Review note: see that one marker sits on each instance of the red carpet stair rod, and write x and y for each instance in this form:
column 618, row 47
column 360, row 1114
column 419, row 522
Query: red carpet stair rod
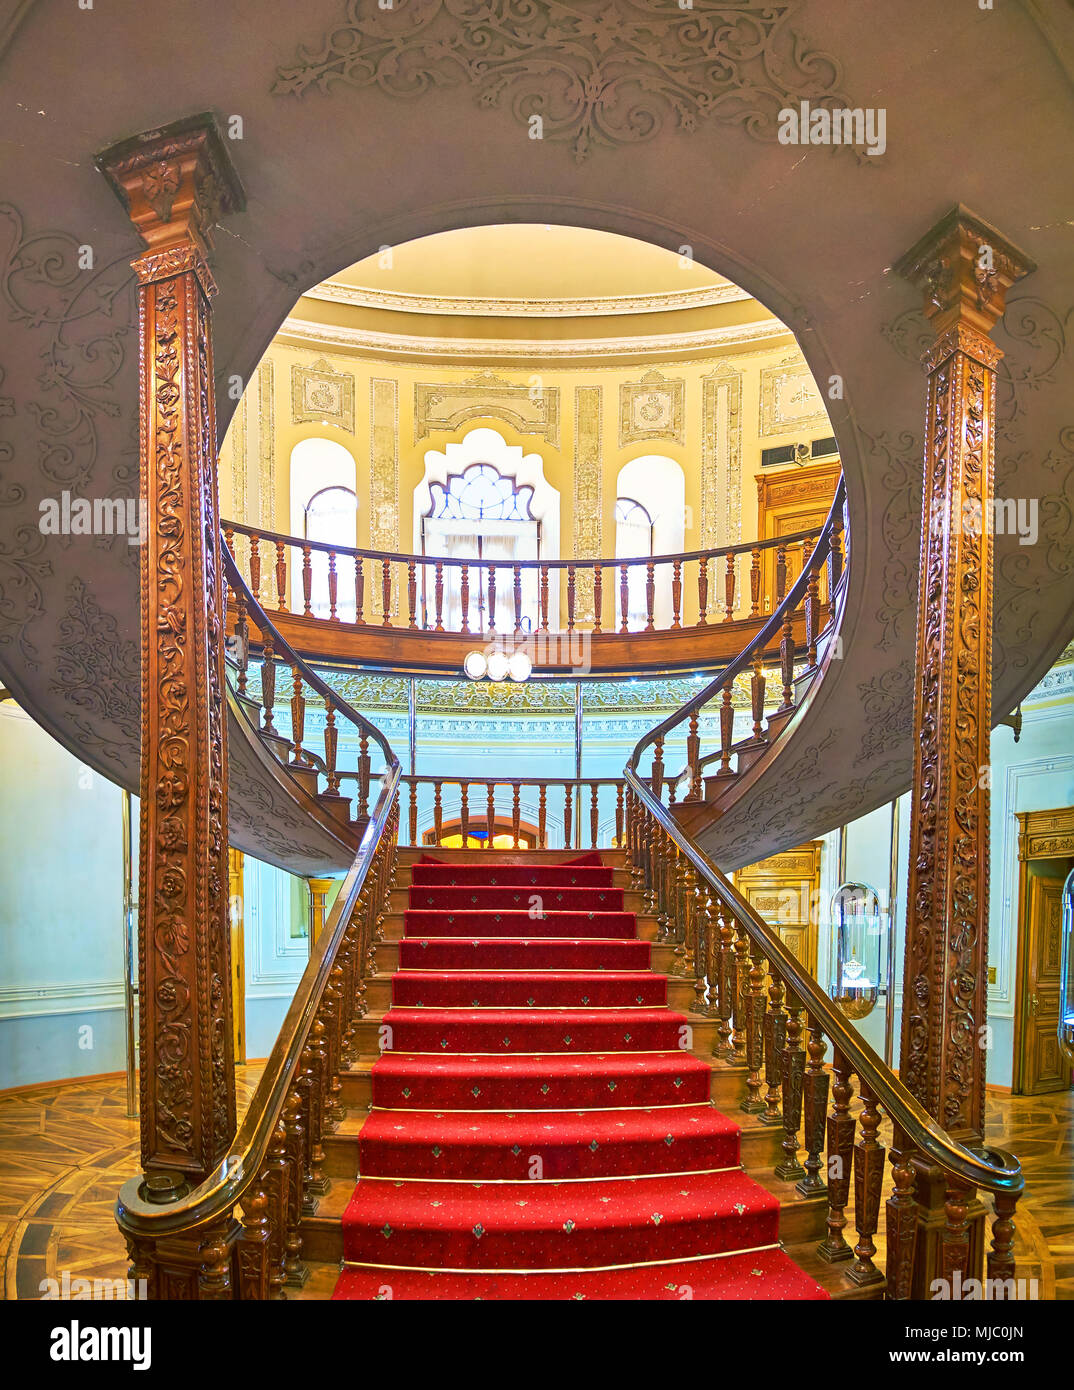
column 539, row 1128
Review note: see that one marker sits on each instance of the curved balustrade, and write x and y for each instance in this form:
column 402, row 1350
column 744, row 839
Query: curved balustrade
column 412, row 611
column 764, row 1000
column 543, row 812
column 238, row 1234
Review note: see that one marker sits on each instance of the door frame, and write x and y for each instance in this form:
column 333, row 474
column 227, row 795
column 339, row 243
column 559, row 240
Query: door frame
column 1044, row 834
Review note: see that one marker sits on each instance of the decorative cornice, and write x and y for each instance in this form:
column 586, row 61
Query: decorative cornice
column 407, row 345
column 671, row 301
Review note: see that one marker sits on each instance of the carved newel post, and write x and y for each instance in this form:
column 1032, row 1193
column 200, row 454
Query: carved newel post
column 965, row 267
column 175, row 183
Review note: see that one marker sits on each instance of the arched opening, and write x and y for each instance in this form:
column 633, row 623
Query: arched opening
column 324, row 508
column 650, row 519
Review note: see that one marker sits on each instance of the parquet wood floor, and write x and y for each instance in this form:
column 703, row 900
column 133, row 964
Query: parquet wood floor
column 66, row 1149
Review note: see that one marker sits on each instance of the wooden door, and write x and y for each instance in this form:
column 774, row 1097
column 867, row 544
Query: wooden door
column 1043, row 1066
column 783, row 890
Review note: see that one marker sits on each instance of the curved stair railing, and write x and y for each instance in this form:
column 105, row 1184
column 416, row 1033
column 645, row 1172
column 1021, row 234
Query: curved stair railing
column 763, row 998
column 238, row 1233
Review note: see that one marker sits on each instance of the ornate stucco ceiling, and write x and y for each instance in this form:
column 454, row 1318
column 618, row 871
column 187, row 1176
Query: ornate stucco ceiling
column 362, row 128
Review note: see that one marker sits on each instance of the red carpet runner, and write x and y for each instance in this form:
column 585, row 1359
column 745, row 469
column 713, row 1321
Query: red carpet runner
column 537, row 1130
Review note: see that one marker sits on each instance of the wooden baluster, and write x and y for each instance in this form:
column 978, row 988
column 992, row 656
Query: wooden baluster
column 252, row 1247
column 781, row 575
column 516, row 593
column 268, row 686
column 811, row 604
column 570, row 598
column 312, row 1067
column 255, row 565
column 544, row 598
column 295, row 1272
column 775, row 1038
column 598, row 594
column 954, row 1236
column 412, row 593
column 1001, row 1254
column 542, row 817
column 490, row 813
column 815, row 1102
column 386, row 592
column 333, row 588
column 900, row 1220
column 331, row 742
column 307, row 581
column 515, row 814
column 650, row 595
column 868, row 1182
column 464, row 813
column 281, row 577
column 619, row 788
column 363, row 776
column 464, row 597
column 702, row 591
column 656, row 777
column 841, row 1125
column 438, row 596
column 702, row 942
column 727, row 730
column 757, row 691
column 359, row 590
column 835, row 553
column 792, row 1069
column 413, row 821
column 786, row 661
column 438, row 813
column 755, row 581
column 729, row 579
column 593, row 814
column 726, row 982
column 492, row 598
column 676, row 593
column 693, row 757
column 298, row 719
column 277, row 1175
column 681, row 923
column 755, row 1010
column 242, row 633
column 624, row 598
column 229, row 539
column 741, row 992
column 568, row 813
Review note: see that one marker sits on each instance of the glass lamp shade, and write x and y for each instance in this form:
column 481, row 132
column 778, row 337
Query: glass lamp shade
column 1066, row 973
column 854, row 973
column 519, row 666
column 498, row 664
column 475, row 665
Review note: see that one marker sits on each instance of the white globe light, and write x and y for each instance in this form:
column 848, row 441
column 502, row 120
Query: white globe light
column 519, row 666
column 497, row 666
column 475, row 665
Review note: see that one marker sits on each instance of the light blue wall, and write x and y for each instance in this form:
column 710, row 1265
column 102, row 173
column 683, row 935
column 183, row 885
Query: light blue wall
column 61, row 906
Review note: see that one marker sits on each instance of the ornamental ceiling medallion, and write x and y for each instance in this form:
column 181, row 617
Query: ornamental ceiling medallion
column 652, row 408
column 598, row 73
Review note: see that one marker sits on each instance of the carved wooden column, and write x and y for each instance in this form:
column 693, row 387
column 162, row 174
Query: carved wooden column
column 175, row 183
column 965, row 268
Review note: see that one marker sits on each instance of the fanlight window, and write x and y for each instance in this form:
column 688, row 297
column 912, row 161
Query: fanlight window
column 480, row 493
column 483, row 517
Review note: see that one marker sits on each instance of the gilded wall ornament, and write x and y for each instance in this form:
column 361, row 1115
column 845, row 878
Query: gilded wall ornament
column 447, row 406
column 266, row 475
column 721, row 457
column 789, row 399
column 598, row 74
column 652, row 408
column 320, row 394
column 588, row 516
column 383, row 476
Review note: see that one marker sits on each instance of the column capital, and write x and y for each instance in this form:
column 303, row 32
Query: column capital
column 175, row 182
column 965, row 267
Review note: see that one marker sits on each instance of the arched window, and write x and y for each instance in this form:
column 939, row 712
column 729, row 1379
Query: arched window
column 324, row 507
column 330, row 516
column 481, row 515
column 633, row 538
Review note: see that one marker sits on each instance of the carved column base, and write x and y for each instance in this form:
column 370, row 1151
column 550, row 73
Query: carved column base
column 930, row 1194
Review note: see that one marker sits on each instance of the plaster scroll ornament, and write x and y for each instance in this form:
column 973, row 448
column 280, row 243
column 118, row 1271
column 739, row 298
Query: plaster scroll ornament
column 596, row 73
